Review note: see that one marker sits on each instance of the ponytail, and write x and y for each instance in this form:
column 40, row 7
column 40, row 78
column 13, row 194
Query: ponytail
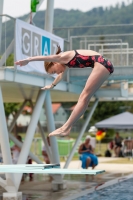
column 58, row 50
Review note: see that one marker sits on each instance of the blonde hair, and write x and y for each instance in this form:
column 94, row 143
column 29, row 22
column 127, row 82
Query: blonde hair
column 48, row 65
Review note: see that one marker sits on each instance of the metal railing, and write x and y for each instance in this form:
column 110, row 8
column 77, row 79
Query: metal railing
column 121, row 55
column 90, row 41
column 7, row 35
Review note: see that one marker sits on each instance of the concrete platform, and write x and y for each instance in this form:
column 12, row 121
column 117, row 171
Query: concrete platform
column 40, row 187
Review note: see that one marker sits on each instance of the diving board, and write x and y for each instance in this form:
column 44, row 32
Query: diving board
column 45, row 169
column 33, row 166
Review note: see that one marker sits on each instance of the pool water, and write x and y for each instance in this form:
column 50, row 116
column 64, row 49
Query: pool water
column 120, row 191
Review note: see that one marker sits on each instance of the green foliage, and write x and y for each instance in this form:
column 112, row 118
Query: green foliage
column 110, row 134
column 10, row 60
column 108, row 109
column 11, row 108
column 105, row 110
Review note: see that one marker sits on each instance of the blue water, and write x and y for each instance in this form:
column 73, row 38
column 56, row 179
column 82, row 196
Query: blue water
column 120, row 191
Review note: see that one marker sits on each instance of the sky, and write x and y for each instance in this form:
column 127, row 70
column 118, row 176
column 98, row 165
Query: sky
column 17, row 8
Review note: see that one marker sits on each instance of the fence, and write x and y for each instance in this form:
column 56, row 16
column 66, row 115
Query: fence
column 65, row 146
column 119, row 43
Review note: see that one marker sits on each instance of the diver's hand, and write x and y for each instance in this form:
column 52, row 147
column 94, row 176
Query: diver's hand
column 22, row 62
column 47, row 87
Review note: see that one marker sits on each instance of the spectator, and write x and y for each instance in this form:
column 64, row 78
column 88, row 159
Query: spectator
column 117, row 144
column 30, row 174
column 128, row 147
column 87, row 154
column 44, row 152
column 15, row 150
column 45, row 156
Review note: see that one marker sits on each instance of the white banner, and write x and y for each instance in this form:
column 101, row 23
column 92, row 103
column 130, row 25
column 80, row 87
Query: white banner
column 33, row 41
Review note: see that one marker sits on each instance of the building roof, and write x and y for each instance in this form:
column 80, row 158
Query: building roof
column 27, row 109
column 55, row 107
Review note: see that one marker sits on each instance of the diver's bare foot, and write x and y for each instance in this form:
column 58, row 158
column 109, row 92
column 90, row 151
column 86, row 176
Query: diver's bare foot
column 60, row 132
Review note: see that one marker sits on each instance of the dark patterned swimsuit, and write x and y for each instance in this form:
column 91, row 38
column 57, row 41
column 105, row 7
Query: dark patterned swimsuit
column 80, row 61
column 84, row 148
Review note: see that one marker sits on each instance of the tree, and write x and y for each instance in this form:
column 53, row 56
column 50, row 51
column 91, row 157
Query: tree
column 123, row 4
column 11, row 108
column 10, row 60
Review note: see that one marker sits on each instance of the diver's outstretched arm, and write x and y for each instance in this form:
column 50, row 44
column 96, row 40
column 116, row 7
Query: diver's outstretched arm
column 54, row 83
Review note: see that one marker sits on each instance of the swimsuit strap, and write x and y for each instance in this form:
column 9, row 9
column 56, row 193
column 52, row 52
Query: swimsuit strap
column 76, row 53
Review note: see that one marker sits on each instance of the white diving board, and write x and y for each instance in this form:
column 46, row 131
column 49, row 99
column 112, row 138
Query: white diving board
column 45, row 169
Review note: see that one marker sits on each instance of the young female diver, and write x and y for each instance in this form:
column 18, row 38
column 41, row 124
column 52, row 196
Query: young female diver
column 58, row 63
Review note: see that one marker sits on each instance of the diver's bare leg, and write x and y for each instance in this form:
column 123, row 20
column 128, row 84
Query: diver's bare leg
column 97, row 77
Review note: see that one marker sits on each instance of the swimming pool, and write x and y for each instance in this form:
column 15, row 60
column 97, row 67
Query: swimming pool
column 118, row 189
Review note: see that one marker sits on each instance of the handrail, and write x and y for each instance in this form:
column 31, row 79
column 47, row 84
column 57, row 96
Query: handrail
column 94, row 26
column 8, row 16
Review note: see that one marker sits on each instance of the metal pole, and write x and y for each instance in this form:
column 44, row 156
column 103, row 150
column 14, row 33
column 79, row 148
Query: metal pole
column 47, row 148
column 5, row 148
column 121, row 56
column 17, row 115
column 15, row 66
column 85, row 43
column 68, row 45
column 1, row 11
column 49, row 15
column 80, row 44
column 45, row 142
column 128, row 55
column 17, row 142
column 51, row 127
column 30, row 132
column 20, row 144
column 71, row 43
column 81, row 133
column 43, row 137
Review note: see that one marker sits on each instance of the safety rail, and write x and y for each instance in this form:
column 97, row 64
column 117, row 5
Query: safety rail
column 121, row 56
column 120, row 40
column 71, row 41
column 7, row 36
